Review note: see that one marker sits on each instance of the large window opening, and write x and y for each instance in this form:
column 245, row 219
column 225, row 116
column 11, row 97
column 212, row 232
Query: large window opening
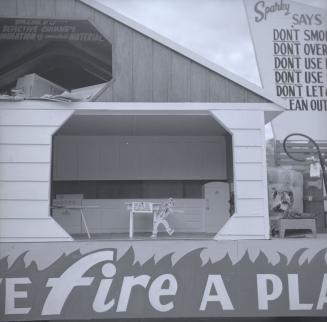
column 103, row 164
column 50, row 56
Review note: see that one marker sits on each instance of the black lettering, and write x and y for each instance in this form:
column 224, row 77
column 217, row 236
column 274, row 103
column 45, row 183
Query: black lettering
column 298, row 105
column 318, row 20
column 258, row 11
column 295, row 19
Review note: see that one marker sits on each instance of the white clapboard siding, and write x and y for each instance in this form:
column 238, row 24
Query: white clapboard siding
column 249, row 171
column 247, row 154
column 250, row 180
column 26, row 134
column 32, row 117
column 25, row 153
column 31, row 229
column 23, row 208
column 251, row 207
column 25, row 172
column 248, row 189
column 250, row 137
column 25, row 168
column 24, row 190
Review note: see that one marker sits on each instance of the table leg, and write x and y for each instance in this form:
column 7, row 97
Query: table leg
column 85, row 225
column 131, row 224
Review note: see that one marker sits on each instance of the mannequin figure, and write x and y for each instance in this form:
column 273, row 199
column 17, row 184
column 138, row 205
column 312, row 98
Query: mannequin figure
column 160, row 217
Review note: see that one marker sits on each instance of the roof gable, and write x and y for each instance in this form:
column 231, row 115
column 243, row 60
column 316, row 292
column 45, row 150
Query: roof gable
column 193, row 57
column 146, row 66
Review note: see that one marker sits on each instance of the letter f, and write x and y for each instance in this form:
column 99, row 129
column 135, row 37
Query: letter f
column 63, row 285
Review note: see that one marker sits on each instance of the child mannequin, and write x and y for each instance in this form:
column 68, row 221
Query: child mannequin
column 160, row 217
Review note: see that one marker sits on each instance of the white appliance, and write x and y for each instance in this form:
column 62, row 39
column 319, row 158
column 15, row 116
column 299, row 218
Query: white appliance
column 216, row 208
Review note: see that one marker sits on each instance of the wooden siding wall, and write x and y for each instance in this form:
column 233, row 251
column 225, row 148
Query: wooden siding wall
column 25, row 168
column 251, row 218
column 143, row 70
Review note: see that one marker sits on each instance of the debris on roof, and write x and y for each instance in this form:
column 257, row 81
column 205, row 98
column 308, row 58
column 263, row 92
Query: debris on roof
column 67, row 96
column 35, row 87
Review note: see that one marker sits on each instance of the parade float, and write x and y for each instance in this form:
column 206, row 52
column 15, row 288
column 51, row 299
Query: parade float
column 107, row 130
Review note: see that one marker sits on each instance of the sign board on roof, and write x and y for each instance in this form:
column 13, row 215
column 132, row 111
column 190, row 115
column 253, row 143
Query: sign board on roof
column 290, row 41
column 48, row 29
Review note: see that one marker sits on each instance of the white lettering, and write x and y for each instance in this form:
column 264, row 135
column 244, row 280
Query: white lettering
column 262, row 285
column 99, row 303
column 128, row 283
column 294, row 294
column 323, row 294
column 220, row 295
column 12, row 295
column 156, row 291
column 62, row 286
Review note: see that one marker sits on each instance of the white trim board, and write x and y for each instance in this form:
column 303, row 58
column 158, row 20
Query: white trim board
column 270, row 110
column 183, row 51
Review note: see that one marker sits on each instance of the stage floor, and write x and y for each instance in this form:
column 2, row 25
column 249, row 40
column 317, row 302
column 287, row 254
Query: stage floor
column 177, row 236
column 145, row 236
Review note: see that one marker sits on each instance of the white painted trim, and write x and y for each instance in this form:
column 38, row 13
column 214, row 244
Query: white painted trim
column 143, row 108
column 265, row 187
column 146, row 106
column 239, row 237
column 35, row 239
column 183, row 51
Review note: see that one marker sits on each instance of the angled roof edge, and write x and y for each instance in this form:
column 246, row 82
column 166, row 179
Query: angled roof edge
column 184, row 51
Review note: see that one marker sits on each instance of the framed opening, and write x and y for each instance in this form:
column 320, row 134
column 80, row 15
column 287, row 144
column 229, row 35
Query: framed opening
column 107, row 165
column 49, row 56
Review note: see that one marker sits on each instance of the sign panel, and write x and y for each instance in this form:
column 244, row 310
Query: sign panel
column 54, row 281
column 290, row 41
column 142, row 206
column 48, row 29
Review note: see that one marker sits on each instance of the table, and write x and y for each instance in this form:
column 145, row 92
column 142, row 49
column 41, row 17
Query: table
column 80, row 208
column 138, row 207
column 298, row 224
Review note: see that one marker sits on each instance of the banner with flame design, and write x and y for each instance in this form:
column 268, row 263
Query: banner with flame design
column 82, row 280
